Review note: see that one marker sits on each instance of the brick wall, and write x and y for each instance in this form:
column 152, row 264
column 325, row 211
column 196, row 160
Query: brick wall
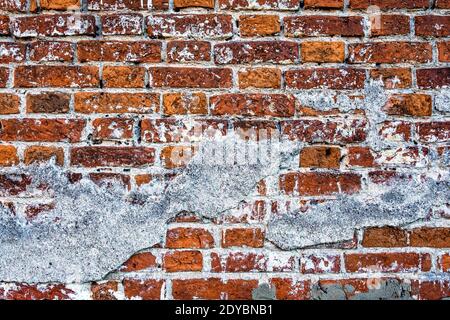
column 102, row 86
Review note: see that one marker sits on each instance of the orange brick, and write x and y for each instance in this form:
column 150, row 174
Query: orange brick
column 243, row 237
column 260, row 78
column 177, row 261
column 8, row 156
column 323, row 51
column 259, row 25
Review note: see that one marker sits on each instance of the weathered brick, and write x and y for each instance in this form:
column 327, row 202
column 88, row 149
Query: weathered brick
column 112, row 156
column 313, row 26
column 290, row 289
column 4, row 25
column 111, row 102
column 325, row 78
column 417, row 105
column 114, row 5
column 14, row 5
column 123, row 77
column 244, row 52
column 59, row 4
column 174, row 77
column 193, row 3
column 275, row 105
column 432, row 25
column 109, row 179
column 9, row 103
column 113, row 128
column 51, row 51
column 432, row 290
column 185, row 103
column 323, row 51
column 390, row 52
column 430, row 237
column 243, row 237
column 122, row 24
column 179, row 238
column 8, row 155
column 387, row 237
column 433, row 78
column 444, row 51
column 395, row 131
column 142, row 289
column 4, row 76
column 12, row 52
column 389, row 4
column 53, row 25
column 199, row 26
column 176, row 156
column 360, row 157
column 389, row 25
column 56, row 76
column 177, row 261
column 251, row 262
column 320, row 157
column 382, row 262
column 435, row 131
column 393, row 78
column 259, row 25
column 325, row 131
column 213, row 289
column 188, row 51
column 48, row 102
column 139, row 261
column 442, row 4
column 51, row 130
column 269, row 78
column 119, row 51
column 24, row 291
column 318, row 184
column 104, row 290
column 314, row 263
column 35, row 154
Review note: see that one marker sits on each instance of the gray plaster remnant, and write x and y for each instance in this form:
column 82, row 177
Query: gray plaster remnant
column 397, row 204
column 389, row 289
column 264, row 292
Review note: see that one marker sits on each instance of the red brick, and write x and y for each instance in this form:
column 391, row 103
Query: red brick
column 22, row 291
column 173, row 77
column 442, row 4
column 53, row 25
column 43, row 154
column 389, row 25
column 274, row 105
column 14, row 184
column 185, row 103
column 56, row 76
column 259, row 25
column 176, row 156
column 177, row 261
column 433, row 78
column 51, row 130
column 51, row 51
column 115, row 5
column 204, row 26
column 314, row 263
column 12, row 52
column 243, row 52
column 14, row 5
column 122, row 24
column 143, row 289
column 289, row 289
column 110, row 102
column 178, row 238
column 325, row 131
column 9, row 103
column 416, row 105
column 104, row 290
column 108, row 179
column 390, row 52
column 430, row 237
column 4, row 25
column 323, row 4
column 4, row 76
column 243, row 237
column 260, row 78
column 360, row 157
column 139, row 261
column 393, row 78
column 444, row 51
column 389, row 4
column 48, row 102
column 433, row 131
column 432, row 26
column 193, row 3
column 320, row 183
column 119, row 51
column 259, row 5
column 251, row 262
column 395, row 130
column 432, row 290
column 213, row 289
column 326, row 78
column 188, row 51
column 113, row 128
column 123, row 77
column 8, row 156
column 382, row 262
column 320, row 157
column 444, row 262
column 112, row 156
column 387, row 237
column 313, row 26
